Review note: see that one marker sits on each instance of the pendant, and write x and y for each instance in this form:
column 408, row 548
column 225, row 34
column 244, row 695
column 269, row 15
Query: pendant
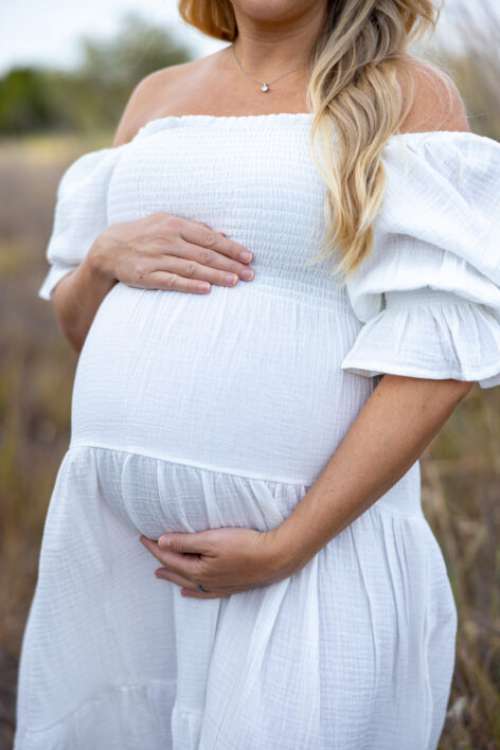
column 264, row 87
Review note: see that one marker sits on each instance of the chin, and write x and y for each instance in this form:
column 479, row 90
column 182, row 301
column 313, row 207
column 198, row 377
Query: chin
column 272, row 10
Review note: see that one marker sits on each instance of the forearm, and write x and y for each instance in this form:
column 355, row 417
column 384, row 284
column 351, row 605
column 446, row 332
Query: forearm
column 391, row 431
column 77, row 297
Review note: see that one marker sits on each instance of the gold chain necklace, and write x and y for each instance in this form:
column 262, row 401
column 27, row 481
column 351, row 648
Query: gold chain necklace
column 263, row 86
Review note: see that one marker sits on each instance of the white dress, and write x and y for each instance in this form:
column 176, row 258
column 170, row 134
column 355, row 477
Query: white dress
column 199, row 411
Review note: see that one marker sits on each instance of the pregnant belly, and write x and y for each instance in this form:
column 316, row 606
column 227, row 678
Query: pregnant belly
column 239, row 380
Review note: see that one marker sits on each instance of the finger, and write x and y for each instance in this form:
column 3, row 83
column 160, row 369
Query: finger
column 204, row 236
column 184, row 565
column 196, row 542
column 152, row 547
column 191, row 269
column 212, row 259
column 171, row 282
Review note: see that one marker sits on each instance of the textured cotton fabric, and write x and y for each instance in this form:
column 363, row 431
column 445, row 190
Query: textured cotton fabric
column 200, row 411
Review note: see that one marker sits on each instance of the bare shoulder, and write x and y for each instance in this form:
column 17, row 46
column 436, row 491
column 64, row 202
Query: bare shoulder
column 432, row 98
column 150, row 96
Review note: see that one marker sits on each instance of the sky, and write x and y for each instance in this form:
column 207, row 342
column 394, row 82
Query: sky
column 34, row 31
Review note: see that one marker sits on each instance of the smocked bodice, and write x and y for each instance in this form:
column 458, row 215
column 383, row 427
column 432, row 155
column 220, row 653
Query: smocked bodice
column 262, row 190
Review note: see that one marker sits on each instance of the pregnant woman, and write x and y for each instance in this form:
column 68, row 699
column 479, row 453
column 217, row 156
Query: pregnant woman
column 235, row 555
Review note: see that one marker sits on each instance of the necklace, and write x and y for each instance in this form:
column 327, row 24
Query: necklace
column 263, row 86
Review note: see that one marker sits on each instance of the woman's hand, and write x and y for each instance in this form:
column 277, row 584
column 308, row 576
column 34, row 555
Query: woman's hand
column 163, row 251
column 159, row 251
column 225, row 561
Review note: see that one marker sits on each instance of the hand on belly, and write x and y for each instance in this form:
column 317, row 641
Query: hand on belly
column 224, row 561
column 172, row 253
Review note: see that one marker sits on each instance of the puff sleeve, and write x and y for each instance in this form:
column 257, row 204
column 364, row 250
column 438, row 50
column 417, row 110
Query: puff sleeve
column 429, row 294
column 80, row 213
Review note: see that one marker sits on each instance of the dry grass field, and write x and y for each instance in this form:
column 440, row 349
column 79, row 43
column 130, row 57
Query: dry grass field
column 461, row 470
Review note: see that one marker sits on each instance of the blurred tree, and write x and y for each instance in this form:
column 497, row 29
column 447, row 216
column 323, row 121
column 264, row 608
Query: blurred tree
column 139, row 48
column 92, row 96
column 114, row 66
column 25, row 101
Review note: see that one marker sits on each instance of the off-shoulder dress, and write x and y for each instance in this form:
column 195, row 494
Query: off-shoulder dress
column 199, row 411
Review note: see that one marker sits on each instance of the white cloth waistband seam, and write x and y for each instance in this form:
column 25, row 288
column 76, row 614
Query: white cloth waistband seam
column 378, row 506
column 203, row 467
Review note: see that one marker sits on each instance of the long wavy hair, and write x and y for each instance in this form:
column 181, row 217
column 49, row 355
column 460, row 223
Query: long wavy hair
column 355, row 90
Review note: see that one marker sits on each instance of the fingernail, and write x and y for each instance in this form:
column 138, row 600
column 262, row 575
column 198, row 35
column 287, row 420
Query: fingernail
column 164, row 541
column 231, row 278
column 246, row 255
column 247, row 274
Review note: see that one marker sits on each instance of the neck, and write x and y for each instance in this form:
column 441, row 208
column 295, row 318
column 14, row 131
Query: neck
column 268, row 47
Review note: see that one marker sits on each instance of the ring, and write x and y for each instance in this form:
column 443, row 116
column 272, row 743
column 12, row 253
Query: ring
column 200, row 588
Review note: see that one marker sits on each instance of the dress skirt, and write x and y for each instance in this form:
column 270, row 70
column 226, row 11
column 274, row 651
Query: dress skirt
column 353, row 652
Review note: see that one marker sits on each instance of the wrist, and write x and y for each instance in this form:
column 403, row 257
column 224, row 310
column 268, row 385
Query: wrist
column 97, row 262
column 287, row 552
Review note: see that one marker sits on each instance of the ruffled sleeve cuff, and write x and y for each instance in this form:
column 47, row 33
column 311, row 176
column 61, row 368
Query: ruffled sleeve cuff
column 428, row 294
column 426, row 334
column 52, row 278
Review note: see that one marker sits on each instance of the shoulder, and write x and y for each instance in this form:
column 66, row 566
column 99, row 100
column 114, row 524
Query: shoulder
column 151, row 95
column 431, row 98
column 146, row 98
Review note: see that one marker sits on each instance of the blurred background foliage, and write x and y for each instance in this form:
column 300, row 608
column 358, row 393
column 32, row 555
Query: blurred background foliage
column 42, row 100
column 47, row 118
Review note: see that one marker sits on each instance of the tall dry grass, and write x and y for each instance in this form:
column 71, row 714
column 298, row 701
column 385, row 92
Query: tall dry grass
column 471, row 50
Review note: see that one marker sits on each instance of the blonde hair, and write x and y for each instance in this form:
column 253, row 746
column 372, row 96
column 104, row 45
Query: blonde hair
column 355, row 90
